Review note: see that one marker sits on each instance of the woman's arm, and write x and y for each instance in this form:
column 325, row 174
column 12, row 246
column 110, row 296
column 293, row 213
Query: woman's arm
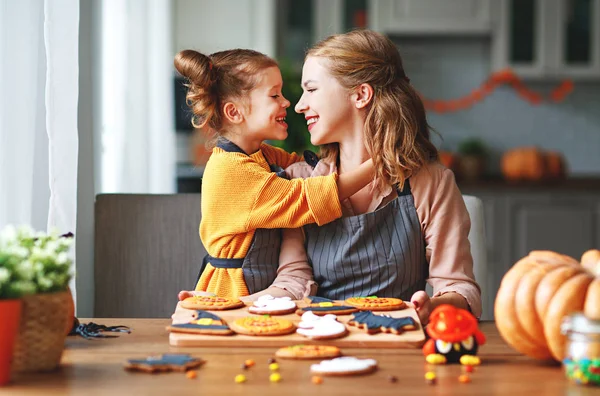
column 446, row 224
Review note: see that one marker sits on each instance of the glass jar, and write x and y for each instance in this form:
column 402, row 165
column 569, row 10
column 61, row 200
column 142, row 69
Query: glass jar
column 582, row 351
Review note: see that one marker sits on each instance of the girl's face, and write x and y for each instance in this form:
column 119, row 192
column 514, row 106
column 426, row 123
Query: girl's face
column 265, row 119
column 325, row 103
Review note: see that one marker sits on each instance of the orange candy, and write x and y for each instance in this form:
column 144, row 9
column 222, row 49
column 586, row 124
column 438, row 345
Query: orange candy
column 249, row 363
column 191, row 374
column 464, row 379
column 317, row 380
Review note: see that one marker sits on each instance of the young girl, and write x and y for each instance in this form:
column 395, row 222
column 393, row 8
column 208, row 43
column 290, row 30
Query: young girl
column 410, row 225
column 237, row 95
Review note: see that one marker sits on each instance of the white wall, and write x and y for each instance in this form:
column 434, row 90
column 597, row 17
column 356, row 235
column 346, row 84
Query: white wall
column 209, row 26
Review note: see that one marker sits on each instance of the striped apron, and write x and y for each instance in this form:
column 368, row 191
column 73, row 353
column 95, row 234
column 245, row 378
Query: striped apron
column 259, row 266
column 381, row 253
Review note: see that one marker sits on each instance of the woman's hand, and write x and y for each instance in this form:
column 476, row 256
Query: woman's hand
column 422, row 304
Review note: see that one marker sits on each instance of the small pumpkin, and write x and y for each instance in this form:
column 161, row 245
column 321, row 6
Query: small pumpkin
column 538, row 292
column 531, row 163
column 448, row 159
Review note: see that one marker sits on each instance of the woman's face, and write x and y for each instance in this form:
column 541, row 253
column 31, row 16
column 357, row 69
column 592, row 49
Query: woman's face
column 325, row 103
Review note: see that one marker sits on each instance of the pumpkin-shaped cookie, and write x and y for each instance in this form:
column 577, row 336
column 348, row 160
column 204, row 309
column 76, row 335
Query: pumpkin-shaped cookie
column 262, row 326
column 376, row 303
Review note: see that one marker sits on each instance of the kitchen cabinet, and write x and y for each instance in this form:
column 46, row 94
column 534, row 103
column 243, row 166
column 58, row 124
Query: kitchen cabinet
column 547, row 39
column 420, row 17
column 522, row 218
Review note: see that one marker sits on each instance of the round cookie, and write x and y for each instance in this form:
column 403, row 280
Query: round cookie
column 346, row 365
column 272, row 305
column 321, row 327
column 262, row 326
column 376, row 303
column 308, row 352
column 211, row 303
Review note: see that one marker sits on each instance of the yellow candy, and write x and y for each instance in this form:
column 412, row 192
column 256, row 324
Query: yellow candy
column 326, row 304
column 430, row 375
column 273, row 366
column 275, row 377
column 435, row 358
column 470, row 360
column 240, row 378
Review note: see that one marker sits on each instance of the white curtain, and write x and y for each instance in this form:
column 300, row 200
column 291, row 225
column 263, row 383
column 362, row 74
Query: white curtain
column 137, row 138
column 38, row 113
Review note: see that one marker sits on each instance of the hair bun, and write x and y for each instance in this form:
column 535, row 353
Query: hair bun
column 196, row 67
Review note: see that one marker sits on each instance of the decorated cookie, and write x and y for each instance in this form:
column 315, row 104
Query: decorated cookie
column 376, row 303
column 166, row 362
column 321, row 327
column 372, row 323
column 346, row 365
column 273, row 305
column 323, row 306
column 203, row 323
column 308, row 352
column 262, row 326
column 210, row 303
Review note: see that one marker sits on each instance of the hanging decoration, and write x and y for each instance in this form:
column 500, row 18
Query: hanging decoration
column 508, row 77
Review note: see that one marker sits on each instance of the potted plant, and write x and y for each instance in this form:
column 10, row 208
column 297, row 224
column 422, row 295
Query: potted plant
column 472, row 161
column 35, row 270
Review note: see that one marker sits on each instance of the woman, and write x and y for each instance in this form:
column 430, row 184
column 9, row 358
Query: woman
column 410, row 225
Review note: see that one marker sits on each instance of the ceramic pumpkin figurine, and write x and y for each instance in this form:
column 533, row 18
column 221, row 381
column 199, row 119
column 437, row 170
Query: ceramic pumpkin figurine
column 538, row 292
column 455, row 336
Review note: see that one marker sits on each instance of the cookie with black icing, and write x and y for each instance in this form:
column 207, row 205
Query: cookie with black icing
column 323, row 306
column 372, row 324
column 203, row 323
column 165, row 362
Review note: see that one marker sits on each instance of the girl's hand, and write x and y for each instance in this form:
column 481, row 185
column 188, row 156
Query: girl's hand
column 186, row 293
column 422, row 304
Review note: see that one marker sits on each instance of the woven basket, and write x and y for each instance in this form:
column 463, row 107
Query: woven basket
column 41, row 338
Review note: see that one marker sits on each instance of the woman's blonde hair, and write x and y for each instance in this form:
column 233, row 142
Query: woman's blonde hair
column 214, row 79
column 396, row 131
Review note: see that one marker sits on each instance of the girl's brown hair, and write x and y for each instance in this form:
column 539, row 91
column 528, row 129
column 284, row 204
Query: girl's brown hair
column 396, row 131
column 214, row 79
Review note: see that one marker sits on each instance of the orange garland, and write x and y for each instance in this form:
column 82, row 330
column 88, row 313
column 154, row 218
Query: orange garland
column 498, row 78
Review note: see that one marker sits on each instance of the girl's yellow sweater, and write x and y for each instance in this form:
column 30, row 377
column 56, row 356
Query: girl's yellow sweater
column 240, row 194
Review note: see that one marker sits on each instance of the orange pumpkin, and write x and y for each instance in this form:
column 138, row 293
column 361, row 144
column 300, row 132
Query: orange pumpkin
column 530, row 163
column 448, row 159
column 538, row 292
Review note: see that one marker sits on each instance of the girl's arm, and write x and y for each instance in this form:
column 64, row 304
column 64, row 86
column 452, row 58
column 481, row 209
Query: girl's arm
column 277, row 156
column 281, row 203
column 294, row 275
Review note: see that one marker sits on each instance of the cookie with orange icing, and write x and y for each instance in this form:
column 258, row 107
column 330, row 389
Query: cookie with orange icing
column 211, row 303
column 373, row 303
column 262, row 326
column 308, row 352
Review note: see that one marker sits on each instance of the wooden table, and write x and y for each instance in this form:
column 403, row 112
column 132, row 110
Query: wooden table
column 96, row 367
